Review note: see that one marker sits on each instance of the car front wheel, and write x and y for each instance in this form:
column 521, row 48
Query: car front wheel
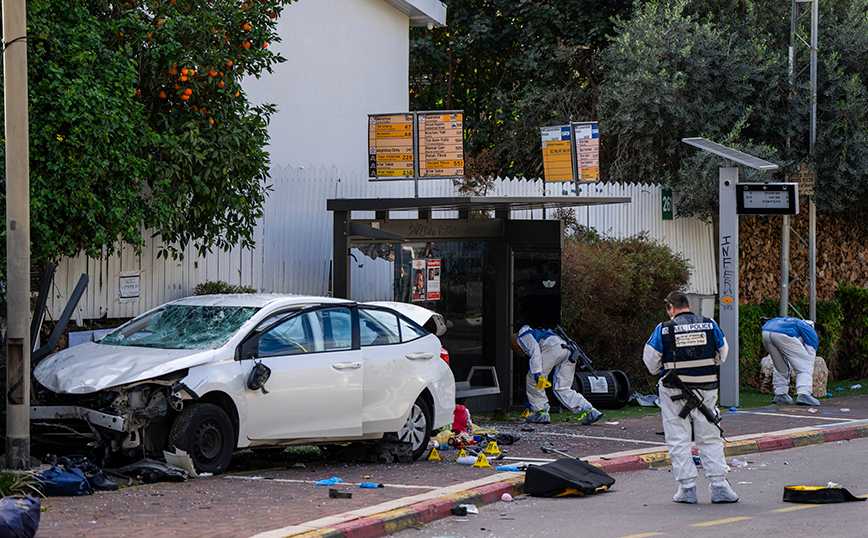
column 205, row 432
column 417, row 430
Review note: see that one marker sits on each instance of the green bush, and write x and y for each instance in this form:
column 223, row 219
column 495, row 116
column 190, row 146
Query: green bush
column 852, row 362
column 217, row 287
column 613, row 291
column 751, row 349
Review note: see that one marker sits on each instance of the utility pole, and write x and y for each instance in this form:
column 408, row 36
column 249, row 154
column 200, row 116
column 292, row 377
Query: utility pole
column 812, row 209
column 17, row 234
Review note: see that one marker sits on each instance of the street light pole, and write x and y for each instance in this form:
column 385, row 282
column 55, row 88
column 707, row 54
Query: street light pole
column 17, row 234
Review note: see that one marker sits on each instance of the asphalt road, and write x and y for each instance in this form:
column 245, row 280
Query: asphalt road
column 640, row 503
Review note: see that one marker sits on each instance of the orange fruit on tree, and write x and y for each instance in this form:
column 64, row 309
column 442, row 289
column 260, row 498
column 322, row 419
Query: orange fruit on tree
column 265, row 45
column 212, row 122
column 212, row 72
column 220, row 84
column 184, row 97
column 229, row 63
column 162, row 95
column 246, row 45
column 185, row 71
column 183, row 78
column 247, row 27
column 188, row 91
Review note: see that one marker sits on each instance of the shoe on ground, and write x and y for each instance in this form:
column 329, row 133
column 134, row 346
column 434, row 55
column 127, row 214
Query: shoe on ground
column 539, row 417
column 721, row 492
column 807, row 399
column 782, row 399
column 685, row 495
column 590, row 416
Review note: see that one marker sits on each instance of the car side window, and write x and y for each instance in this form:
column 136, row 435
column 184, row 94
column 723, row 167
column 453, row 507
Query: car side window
column 378, row 327
column 292, row 337
column 337, row 328
column 409, row 331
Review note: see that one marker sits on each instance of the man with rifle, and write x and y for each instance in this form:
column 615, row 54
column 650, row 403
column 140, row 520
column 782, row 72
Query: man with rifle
column 687, row 351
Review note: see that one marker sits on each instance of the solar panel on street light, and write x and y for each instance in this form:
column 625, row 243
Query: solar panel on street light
column 729, row 153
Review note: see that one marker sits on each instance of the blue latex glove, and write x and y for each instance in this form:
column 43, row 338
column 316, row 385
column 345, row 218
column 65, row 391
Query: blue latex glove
column 536, row 378
column 328, row 482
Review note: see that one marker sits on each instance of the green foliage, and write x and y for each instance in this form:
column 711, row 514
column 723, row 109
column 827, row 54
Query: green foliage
column 613, row 291
column 751, row 350
column 218, row 287
column 512, row 66
column 854, row 347
column 720, row 70
column 122, row 140
column 18, row 483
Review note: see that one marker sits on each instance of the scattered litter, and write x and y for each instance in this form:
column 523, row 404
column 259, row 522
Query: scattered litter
column 840, row 442
column 512, row 468
column 856, row 387
column 370, row 485
column 150, row 471
column 256, row 478
column 612, row 423
column 785, row 463
column 181, row 460
column 828, row 395
column 299, row 465
column 335, row 494
column 367, row 477
column 652, row 468
column 649, row 400
column 839, row 388
column 834, row 485
column 733, row 408
column 812, row 410
column 527, row 429
column 459, row 511
column 738, row 463
column 328, row 482
column 744, row 483
column 697, row 461
column 845, row 409
column 506, row 497
column 471, row 508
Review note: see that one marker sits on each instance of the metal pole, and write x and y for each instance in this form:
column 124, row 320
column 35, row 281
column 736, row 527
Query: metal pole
column 785, row 266
column 17, row 235
column 812, row 210
column 728, row 271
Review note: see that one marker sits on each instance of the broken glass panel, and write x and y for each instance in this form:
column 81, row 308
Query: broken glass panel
column 182, row 327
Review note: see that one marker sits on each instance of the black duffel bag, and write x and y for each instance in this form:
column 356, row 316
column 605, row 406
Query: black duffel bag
column 565, row 477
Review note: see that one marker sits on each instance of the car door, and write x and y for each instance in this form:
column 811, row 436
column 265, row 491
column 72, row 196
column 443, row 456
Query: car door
column 395, row 352
column 315, row 386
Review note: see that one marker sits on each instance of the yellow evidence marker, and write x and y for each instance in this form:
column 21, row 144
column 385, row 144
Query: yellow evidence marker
column 462, row 454
column 433, row 456
column 481, row 461
column 492, row 449
column 542, row 383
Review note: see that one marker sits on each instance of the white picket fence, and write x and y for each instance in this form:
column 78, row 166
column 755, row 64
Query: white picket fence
column 293, row 249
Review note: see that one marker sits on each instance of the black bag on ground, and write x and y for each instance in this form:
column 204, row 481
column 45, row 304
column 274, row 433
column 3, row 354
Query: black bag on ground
column 565, row 477
column 818, row 495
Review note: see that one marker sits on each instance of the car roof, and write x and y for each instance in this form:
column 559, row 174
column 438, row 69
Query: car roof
column 257, row 300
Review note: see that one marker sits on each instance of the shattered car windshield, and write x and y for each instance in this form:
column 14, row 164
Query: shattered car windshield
column 182, row 327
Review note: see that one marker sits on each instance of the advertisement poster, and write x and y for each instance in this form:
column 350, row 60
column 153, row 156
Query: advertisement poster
column 419, row 280
column 433, row 284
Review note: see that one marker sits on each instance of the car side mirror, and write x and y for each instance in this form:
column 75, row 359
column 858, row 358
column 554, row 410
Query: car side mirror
column 249, row 349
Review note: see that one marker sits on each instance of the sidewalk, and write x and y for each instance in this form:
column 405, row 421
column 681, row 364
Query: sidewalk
column 284, row 502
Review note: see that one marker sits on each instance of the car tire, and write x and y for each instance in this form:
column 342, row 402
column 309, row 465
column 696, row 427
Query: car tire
column 205, row 432
column 417, row 430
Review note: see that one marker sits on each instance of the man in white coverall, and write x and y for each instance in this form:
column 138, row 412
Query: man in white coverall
column 546, row 353
column 693, row 346
column 792, row 344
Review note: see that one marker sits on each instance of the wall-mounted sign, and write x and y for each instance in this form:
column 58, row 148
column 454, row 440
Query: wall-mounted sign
column 806, row 177
column 571, row 152
column 667, row 203
column 767, row 198
column 130, row 285
column 416, row 145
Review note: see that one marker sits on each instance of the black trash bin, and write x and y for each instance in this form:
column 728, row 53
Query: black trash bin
column 607, row 389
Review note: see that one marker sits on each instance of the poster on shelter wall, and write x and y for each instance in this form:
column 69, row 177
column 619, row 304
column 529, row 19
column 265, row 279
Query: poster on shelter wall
column 419, row 281
column 433, row 283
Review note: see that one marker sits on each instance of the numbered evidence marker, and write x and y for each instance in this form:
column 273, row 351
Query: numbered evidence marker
column 557, row 162
column 587, row 150
column 390, row 143
column 441, row 144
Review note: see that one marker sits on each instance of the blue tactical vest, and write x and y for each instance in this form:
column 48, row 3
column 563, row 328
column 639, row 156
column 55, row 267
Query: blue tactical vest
column 695, row 349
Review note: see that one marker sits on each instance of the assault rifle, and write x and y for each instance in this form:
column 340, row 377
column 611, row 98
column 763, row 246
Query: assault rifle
column 576, row 352
column 692, row 401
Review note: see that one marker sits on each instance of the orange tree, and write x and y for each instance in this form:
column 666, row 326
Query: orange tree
column 138, row 121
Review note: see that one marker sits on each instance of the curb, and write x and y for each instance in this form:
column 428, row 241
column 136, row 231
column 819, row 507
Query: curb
column 413, row 515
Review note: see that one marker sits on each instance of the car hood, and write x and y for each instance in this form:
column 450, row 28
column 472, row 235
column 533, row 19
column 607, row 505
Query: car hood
column 92, row 367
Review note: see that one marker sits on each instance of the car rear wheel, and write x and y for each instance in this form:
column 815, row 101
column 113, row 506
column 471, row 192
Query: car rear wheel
column 205, row 432
column 417, row 430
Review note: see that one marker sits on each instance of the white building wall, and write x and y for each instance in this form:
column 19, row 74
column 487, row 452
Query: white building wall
column 345, row 59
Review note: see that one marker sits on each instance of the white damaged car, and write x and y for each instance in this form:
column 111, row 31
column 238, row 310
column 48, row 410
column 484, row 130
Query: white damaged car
column 211, row 374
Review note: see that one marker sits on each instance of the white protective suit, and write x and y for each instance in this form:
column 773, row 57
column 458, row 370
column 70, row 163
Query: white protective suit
column 544, row 356
column 677, row 430
column 790, row 353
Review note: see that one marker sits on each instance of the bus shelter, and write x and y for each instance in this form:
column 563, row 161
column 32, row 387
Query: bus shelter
column 486, row 273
